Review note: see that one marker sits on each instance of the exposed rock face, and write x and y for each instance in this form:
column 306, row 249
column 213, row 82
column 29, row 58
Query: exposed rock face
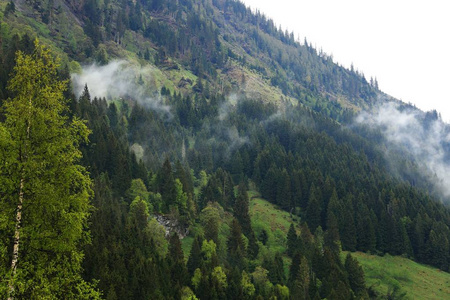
column 172, row 225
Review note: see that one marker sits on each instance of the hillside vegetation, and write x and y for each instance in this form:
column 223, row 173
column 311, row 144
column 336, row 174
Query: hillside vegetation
column 196, row 111
column 399, row 275
column 385, row 275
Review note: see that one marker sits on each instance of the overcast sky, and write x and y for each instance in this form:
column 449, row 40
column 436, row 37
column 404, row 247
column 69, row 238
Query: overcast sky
column 404, row 44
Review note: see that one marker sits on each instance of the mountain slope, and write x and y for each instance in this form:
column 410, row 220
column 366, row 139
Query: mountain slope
column 187, row 100
column 384, row 275
column 222, row 42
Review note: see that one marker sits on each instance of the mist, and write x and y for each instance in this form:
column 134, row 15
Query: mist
column 423, row 135
column 228, row 106
column 224, row 129
column 119, row 79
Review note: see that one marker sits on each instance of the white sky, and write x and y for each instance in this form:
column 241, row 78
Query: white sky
column 404, row 44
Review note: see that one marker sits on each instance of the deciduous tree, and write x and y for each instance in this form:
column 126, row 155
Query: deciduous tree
column 44, row 191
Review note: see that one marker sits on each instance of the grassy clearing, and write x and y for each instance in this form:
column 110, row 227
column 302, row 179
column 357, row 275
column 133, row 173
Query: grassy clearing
column 382, row 273
column 276, row 222
column 263, row 211
column 418, row 281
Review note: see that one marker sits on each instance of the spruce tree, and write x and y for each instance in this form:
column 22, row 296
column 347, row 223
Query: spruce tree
column 241, row 209
column 294, row 269
column 235, row 245
column 242, row 215
column 300, row 288
column 292, row 241
column 313, row 211
column 177, row 267
column 283, row 192
column 356, row 277
column 347, row 227
column 166, row 185
column 278, row 276
column 195, row 257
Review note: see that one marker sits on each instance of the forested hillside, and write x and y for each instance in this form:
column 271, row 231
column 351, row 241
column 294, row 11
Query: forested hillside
column 207, row 101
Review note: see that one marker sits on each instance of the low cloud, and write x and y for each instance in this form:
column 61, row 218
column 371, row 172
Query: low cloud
column 423, row 135
column 227, row 106
column 236, row 140
column 118, row 79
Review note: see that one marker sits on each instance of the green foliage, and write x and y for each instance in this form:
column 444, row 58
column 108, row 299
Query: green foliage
column 157, row 234
column 196, row 278
column 45, row 192
column 292, row 242
column 176, row 265
column 300, row 287
column 313, row 211
column 10, row 8
column 195, row 259
column 138, row 189
column 219, row 278
column 208, row 251
column 236, row 246
column 210, row 217
column 187, row 294
column 262, row 282
column 356, row 277
column 334, row 178
column 139, row 213
column 248, row 289
column 282, row 292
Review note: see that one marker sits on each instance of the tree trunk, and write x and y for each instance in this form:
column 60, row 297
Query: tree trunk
column 15, row 257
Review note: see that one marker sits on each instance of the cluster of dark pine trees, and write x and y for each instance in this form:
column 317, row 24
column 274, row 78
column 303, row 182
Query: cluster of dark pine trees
column 329, row 182
column 202, row 36
column 131, row 256
column 196, row 168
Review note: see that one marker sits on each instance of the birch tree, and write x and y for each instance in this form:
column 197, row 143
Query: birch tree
column 44, row 192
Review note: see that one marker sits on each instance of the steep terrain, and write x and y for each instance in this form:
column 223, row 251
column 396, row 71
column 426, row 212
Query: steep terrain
column 191, row 104
column 221, row 42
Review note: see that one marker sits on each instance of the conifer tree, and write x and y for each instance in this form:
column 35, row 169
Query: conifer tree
column 313, row 211
column 347, row 227
column 241, row 209
column 294, row 269
column 235, row 245
column 195, row 257
column 210, row 217
column 278, row 276
column 182, row 175
column 242, row 215
column 356, row 277
column 283, row 192
column 300, row 288
column 292, row 241
column 166, row 185
column 269, row 183
column 177, row 267
column 332, row 239
column 234, row 290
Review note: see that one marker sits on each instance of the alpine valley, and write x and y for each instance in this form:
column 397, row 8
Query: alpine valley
column 192, row 149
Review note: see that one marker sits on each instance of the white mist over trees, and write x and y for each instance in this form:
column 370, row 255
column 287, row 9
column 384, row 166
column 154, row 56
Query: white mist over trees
column 119, row 79
column 423, row 135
